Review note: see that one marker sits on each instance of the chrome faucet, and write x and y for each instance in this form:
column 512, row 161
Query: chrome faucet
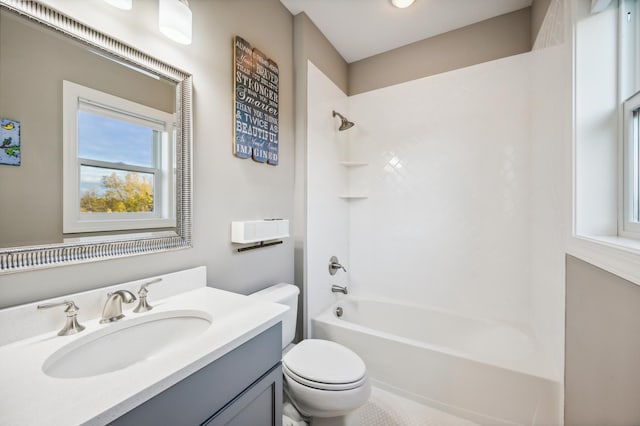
column 71, row 326
column 339, row 289
column 113, row 307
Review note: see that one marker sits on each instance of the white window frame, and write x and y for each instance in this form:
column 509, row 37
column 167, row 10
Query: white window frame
column 628, row 75
column 631, row 169
column 80, row 98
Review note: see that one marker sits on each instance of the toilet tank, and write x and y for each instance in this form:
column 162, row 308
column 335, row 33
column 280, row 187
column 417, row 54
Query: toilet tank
column 285, row 294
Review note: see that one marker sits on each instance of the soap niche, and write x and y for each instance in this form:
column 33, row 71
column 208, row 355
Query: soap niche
column 354, row 159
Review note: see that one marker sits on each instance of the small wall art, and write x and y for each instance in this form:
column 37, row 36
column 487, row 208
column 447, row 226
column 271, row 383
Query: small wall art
column 9, row 142
column 256, row 82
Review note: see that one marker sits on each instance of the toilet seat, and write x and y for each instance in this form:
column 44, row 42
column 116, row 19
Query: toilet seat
column 320, row 385
column 324, row 365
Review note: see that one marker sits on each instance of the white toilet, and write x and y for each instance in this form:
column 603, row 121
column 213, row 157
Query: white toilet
column 324, row 380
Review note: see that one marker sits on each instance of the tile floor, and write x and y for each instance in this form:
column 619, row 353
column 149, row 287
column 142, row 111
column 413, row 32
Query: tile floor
column 387, row 409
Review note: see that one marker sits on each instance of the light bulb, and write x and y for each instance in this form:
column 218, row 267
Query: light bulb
column 174, row 20
column 401, row 4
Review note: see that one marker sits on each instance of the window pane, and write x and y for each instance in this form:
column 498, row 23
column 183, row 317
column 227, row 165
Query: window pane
column 115, row 141
column 104, row 190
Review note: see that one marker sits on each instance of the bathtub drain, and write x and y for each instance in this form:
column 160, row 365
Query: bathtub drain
column 338, row 311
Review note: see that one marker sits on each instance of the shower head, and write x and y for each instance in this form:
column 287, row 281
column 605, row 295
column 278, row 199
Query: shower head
column 344, row 123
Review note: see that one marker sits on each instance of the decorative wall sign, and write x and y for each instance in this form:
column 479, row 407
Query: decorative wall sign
column 256, row 82
column 9, row 142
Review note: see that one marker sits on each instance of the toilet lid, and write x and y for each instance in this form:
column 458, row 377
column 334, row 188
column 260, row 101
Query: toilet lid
column 322, row 361
column 290, row 375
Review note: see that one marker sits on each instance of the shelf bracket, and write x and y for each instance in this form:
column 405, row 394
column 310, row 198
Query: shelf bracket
column 257, row 246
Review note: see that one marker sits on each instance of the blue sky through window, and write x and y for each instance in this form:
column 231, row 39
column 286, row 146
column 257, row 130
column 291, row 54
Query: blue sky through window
column 116, row 141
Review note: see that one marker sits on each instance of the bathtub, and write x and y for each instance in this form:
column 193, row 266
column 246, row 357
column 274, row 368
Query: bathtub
column 486, row 371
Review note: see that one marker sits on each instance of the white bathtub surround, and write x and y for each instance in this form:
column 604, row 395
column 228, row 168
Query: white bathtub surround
column 467, row 182
column 486, row 371
column 550, row 195
column 101, row 398
column 327, row 214
column 468, row 203
column 448, row 180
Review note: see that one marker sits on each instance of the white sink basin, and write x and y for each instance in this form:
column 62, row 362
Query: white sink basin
column 120, row 345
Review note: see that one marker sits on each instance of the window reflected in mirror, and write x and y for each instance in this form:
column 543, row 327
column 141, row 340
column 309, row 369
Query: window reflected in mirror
column 119, row 163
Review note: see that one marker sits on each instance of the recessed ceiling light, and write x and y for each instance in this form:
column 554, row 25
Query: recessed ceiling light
column 401, row 4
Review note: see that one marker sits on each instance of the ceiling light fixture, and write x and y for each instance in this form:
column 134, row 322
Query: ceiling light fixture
column 174, row 19
column 121, row 4
column 401, row 4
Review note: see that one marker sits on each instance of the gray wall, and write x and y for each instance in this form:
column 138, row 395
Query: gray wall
column 34, row 63
column 484, row 41
column 225, row 188
column 602, row 352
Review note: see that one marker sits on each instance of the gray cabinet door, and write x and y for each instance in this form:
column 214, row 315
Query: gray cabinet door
column 197, row 398
column 260, row 405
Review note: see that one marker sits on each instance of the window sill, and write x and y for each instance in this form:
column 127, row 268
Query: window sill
column 618, row 255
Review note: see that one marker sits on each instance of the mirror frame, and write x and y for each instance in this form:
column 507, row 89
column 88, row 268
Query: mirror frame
column 18, row 259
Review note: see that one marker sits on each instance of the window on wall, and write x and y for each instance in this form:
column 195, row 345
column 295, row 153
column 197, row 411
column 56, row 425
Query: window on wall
column 631, row 121
column 630, row 94
column 606, row 145
column 119, row 170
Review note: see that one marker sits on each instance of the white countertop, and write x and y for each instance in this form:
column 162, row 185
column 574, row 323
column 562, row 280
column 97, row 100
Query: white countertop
column 29, row 397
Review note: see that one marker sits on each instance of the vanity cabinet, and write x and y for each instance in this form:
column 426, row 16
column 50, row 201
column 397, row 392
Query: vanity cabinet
column 241, row 388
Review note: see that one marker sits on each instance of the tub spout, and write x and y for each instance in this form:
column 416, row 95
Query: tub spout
column 339, row 289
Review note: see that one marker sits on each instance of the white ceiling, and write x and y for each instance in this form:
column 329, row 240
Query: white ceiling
column 362, row 28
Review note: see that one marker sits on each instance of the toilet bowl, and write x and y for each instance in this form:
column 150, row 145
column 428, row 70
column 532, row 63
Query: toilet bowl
column 324, row 380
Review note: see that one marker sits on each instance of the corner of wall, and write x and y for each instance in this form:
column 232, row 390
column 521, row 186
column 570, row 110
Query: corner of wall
column 539, row 9
column 315, row 47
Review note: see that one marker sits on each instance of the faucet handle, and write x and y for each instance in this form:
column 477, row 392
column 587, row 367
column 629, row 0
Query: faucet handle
column 72, row 326
column 143, row 306
column 334, row 265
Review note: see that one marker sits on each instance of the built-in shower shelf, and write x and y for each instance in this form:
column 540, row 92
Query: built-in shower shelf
column 354, row 196
column 353, row 163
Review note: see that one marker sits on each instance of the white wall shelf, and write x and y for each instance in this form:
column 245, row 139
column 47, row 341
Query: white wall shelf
column 253, row 231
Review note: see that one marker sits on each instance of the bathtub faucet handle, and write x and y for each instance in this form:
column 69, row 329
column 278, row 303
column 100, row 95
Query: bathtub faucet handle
column 339, row 289
column 337, row 266
column 334, row 265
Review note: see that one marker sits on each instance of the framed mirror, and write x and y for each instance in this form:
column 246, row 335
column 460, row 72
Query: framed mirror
column 95, row 144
